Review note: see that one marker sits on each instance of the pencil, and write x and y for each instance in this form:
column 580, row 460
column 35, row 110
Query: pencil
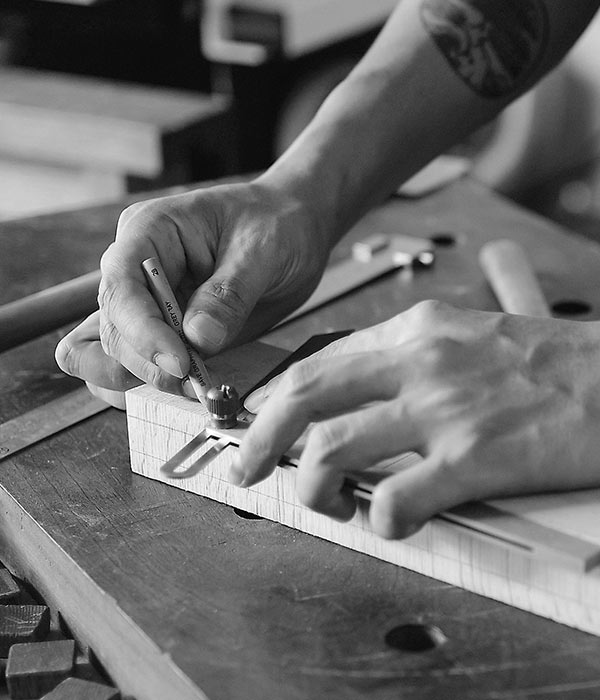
column 165, row 298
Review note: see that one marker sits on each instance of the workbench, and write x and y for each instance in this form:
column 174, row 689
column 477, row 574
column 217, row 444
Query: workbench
column 182, row 598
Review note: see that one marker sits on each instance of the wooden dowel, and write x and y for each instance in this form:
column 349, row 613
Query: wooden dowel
column 45, row 311
column 512, row 278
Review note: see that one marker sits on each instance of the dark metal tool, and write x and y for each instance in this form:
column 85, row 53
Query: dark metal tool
column 372, row 257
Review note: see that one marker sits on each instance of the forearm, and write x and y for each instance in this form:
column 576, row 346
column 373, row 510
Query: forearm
column 437, row 71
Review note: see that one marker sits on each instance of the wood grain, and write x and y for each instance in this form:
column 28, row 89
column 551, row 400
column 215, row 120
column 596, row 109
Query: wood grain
column 180, row 597
column 545, row 569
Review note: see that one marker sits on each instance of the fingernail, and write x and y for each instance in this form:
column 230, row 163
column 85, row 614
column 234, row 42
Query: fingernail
column 169, row 363
column 236, row 475
column 255, row 400
column 208, row 333
column 188, row 389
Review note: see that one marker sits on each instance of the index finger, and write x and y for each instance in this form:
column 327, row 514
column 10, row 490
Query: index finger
column 311, row 390
column 131, row 313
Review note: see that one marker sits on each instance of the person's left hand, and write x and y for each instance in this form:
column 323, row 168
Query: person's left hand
column 496, row 404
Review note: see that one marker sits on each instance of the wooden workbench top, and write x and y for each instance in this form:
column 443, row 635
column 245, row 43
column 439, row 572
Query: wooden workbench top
column 182, row 598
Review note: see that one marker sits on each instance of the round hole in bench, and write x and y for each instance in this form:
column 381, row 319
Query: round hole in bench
column 571, row 307
column 246, row 515
column 415, row 637
column 443, row 239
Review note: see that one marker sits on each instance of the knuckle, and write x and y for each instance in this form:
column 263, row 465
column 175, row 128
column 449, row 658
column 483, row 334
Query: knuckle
column 427, row 313
column 112, row 299
column 301, row 379
column 109, row 262
column 327, row 440
column 132, row 211
column 439, row 348
column 144, row 219
column 107, row 294
column 229, row 293
column 67, row 357
column 110, row 339
column 442, row 354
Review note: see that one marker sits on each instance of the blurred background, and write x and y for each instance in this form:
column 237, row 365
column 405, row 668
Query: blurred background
column 100, row 98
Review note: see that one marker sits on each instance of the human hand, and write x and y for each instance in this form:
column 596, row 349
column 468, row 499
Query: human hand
column 239, row 258
column 496, row 404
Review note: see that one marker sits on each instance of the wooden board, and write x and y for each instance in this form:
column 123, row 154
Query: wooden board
column 35, row 669
column 95, row 123
column 541, row 564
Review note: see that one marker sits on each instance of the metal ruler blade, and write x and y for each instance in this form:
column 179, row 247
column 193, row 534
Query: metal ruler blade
column 372, row 257
column 48, row 419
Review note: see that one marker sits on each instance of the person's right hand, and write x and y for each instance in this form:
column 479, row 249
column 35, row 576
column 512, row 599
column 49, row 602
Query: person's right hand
column 239, row 258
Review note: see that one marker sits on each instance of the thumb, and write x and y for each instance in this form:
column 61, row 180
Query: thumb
column 402, row 504
column 218, row 309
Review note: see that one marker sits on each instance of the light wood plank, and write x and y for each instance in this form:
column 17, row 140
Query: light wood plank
column 483, row 548
column 97, row 123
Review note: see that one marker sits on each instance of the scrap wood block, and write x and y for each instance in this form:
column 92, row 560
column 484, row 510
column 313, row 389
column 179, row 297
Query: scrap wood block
column 539, row 553
column 98, row 124
column 35, row 669
column 9, row 588
column 22, row 623
column 78, row 689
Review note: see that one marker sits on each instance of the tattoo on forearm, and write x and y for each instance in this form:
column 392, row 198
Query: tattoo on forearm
column 492, row 46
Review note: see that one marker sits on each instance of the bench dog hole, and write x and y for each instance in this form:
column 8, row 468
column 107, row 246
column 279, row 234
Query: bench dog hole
column 415, row 637
column 246, row 515
column 443, row 239
column 571, row 307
